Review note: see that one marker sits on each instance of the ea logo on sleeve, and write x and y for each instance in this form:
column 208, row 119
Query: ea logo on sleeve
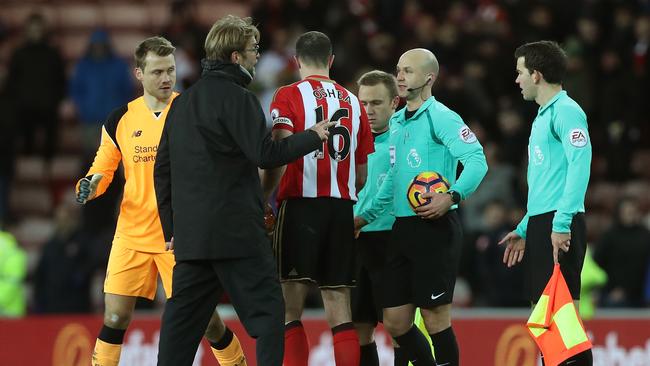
column 466, row 135
column 578, row 137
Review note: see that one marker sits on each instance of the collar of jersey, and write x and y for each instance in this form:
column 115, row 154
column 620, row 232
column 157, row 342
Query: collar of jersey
column 557, row 96
column 319, row 78
column 402, row 113
column 233, row 71
column 382, row 136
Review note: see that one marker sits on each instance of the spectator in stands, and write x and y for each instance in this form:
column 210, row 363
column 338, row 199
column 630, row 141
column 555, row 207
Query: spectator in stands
column 101, row 82
column 514, row 136
column 13, row 267
column 498, row 185
column 641, row 70
column 36, row 82
column 276, row 67
column 65, row 268
column 624, row 252
column 185, row 32
column 605, row 40
column 491, row 273
column 580, row 82
column 592, row 278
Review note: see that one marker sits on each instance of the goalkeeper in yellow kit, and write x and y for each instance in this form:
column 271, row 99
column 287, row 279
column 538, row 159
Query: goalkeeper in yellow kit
column 138, row 254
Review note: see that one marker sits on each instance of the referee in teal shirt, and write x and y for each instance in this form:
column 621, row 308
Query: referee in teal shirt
column 378, row 95
column 559, row 159
column 423, row 253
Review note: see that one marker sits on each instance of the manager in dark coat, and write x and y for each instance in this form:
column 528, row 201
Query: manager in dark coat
column 210, row 199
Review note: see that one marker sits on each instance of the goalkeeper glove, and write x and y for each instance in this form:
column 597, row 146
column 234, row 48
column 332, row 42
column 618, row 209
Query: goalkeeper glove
column 88, row 188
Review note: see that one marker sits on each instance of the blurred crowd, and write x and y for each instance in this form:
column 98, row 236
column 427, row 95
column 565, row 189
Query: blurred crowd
column 607, row 43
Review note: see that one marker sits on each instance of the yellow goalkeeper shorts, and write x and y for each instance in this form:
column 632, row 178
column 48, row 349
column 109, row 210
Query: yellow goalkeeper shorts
column 134, row 273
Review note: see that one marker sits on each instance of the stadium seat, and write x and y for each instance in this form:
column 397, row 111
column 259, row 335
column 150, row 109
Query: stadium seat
column 13, row 14
column 73, row 44
column 65, row 166
column 30, row 169
column 125, row 42
column 34, row 231
column 78, row 15
column 209, row 11
column 30, row 199
column 126, row 15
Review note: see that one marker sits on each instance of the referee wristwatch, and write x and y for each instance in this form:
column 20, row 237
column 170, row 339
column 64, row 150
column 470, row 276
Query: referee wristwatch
column 455, row 197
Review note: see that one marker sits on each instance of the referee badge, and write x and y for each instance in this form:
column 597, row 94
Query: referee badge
column 467, row 135
column 578, row 137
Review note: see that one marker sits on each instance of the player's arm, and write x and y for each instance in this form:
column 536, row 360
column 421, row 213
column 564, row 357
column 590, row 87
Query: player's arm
column 254, row 140
column 162, row 183
column 570, row 125
column 271, row 177
column 381, row 202
column 282, row 118
column 108, row 156
column 464, row 146
column 366, row 146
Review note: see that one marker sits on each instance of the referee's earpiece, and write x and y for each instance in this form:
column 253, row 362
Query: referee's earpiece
column 421, row 86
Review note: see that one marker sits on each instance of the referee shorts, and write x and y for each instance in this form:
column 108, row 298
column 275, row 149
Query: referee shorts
column 371, row 264
column 538, row 255
column 423, row 261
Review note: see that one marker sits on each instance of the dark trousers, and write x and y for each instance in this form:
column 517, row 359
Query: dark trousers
column 32, row 119
column 253, row 286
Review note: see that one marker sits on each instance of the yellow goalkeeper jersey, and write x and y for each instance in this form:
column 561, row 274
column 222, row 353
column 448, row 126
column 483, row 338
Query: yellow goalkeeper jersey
column 131, row 135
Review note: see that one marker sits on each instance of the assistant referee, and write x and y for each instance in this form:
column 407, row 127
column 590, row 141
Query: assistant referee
column 559, row 160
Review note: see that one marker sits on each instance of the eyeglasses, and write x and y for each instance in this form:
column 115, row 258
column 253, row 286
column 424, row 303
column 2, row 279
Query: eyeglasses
column 255, row 49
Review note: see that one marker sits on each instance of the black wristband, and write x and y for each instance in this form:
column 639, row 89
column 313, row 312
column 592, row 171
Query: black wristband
column 455, row 197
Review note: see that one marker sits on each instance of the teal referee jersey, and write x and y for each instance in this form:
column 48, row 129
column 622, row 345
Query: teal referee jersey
column 378, row 166
column 559, row 161
column 435, row 139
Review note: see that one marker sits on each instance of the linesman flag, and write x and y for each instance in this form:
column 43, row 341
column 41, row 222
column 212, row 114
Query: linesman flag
column 555, row 325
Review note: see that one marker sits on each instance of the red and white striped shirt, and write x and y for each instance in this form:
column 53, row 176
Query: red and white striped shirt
column 331, row 170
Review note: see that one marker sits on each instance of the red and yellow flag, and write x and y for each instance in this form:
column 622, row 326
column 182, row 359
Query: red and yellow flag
column 555, row 325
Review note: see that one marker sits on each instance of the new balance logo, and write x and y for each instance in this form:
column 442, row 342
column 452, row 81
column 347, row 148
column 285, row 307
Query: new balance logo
column 433, row 296
column 137, row 133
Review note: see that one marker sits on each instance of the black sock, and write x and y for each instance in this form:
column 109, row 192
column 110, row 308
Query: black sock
column 341, row 327
column 400, row 357
column 224, row 341
column 584, row 358
column 369, row 356
column 416, row 347
column 445, row 347
column 111, row 335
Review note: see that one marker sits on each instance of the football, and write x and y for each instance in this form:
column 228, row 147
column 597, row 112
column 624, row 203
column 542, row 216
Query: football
column 425, row 182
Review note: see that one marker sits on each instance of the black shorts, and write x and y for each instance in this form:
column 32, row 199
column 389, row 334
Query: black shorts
column 423, row 260
column 314, row 241
column 371, row 263
column 538, row 255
